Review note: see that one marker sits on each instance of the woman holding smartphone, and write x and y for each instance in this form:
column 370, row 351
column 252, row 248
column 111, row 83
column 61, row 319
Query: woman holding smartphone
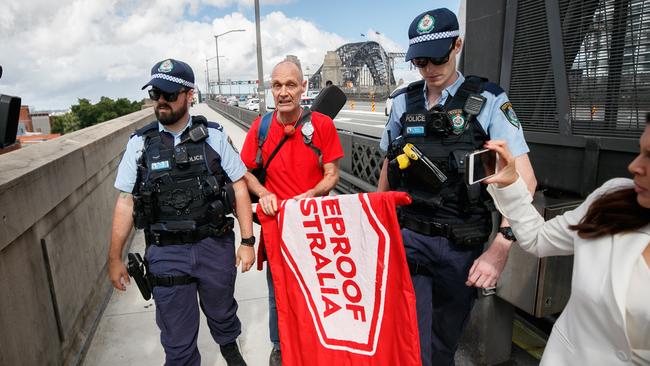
column 607, row 318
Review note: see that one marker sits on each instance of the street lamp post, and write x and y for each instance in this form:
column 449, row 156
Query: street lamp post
column 207, row 79
column 216, row 42
column 207, row 74
column 260, row 74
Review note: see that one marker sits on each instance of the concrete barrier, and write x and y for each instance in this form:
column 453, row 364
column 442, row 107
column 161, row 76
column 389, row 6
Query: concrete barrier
column 56, row 201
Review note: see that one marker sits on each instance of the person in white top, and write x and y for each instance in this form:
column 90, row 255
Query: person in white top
column 607, row 318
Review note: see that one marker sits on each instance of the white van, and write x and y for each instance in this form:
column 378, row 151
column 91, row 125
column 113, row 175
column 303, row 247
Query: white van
column 268, row 99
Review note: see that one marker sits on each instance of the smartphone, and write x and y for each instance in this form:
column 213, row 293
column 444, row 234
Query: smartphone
column 480, row 165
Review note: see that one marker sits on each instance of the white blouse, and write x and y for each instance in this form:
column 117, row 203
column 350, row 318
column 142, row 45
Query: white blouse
column 637, row 312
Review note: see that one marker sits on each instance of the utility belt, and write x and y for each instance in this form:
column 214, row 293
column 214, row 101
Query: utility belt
column 139, row 270
column 467, row 234
column 182, row 232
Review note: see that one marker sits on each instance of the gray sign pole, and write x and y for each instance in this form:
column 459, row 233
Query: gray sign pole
column 260, row 72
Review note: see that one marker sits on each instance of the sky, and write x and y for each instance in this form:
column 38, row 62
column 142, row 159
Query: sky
column 54, row 52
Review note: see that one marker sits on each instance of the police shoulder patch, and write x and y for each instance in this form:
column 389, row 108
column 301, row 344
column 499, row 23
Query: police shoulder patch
column 510, row 114
column 232, row 144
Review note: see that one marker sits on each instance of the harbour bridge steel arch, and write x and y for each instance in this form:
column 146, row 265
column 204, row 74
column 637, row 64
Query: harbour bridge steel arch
column 357, row 57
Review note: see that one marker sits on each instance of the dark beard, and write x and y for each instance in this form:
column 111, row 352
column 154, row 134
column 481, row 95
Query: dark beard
column 170, row 118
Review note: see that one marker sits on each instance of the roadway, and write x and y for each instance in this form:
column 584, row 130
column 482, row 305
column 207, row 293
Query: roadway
column 364, row 122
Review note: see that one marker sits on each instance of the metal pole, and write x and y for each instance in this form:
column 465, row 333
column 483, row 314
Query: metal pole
column 207, row 78
column 216, row 42
column 260, row 72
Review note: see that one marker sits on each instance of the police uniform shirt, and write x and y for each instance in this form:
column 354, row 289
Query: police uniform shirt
column 497, row 117
column 217, row 140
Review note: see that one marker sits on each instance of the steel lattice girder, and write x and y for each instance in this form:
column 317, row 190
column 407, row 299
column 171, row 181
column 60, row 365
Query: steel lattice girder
column 355, row 55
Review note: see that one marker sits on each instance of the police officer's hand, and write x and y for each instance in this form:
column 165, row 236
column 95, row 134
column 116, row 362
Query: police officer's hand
column 117, row 274
column 245, row 256
column 269, row 203
column 487, row 268
column 506, row 170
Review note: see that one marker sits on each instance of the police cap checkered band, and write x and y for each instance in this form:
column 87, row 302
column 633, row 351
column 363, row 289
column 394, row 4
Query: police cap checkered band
column 173, row 79
column 434, row 36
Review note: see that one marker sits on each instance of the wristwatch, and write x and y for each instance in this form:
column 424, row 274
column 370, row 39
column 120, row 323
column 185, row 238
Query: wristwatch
column 249, row 242
column 507, row 233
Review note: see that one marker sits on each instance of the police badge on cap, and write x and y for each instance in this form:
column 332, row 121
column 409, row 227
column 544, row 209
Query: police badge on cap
column 170, row 75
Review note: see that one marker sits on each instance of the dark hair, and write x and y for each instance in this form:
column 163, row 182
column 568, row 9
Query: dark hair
column 612, row 213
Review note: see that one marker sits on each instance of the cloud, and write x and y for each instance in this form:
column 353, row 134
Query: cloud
column 243, row 3
column 385, row 42
column 54, row 52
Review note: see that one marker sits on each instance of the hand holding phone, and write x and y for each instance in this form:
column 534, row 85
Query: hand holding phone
column 507, row 172
column 480, row 165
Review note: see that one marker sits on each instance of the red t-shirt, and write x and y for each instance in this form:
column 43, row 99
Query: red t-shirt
column 295, row 168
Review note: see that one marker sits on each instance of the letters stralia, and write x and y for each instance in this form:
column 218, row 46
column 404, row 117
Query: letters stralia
column 335, row 268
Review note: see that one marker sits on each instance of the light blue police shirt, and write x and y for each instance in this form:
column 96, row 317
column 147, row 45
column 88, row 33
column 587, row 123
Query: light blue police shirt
column 497, row 118
column 217, row 139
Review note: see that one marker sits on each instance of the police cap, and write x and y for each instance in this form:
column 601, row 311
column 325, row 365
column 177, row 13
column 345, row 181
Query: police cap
column 431, row 34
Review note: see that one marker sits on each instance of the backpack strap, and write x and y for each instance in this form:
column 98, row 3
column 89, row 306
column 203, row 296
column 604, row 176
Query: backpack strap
column 262, row 132
column 307, row 139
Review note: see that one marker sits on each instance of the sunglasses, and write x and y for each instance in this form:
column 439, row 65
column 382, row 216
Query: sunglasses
column 155, row 94
column 422, row 62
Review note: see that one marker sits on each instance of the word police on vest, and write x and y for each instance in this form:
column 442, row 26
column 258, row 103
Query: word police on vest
column 435, row 122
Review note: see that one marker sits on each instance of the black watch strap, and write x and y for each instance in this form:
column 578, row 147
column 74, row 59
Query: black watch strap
column 507, row 233
column 249, row 242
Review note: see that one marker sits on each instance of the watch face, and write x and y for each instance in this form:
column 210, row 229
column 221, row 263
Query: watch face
column 307, row 129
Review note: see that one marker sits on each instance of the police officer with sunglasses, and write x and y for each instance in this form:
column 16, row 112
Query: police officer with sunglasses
column 443, row 117
column 179, row 178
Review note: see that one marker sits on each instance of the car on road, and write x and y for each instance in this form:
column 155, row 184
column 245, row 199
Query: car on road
column 233, row 101
column 253, row 104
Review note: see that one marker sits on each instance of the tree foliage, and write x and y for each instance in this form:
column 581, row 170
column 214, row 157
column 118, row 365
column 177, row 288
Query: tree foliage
column 85, row 114
column 65, row 123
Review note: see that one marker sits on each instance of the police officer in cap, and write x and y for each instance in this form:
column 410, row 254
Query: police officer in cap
column 445, row 116
column 178, row 179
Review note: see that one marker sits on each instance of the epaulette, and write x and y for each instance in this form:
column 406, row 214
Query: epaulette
column 204, row 121
column 494, row 89
column 414, row 85
column 142, row 130
column 215, row 125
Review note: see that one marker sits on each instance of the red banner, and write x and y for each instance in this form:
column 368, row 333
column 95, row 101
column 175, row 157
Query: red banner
column 343, row 290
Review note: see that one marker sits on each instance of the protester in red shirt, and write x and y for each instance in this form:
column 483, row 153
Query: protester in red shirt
column 295, row 171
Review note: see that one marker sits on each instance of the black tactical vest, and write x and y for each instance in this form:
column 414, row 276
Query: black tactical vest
column 180, row 192
column 433, row 201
